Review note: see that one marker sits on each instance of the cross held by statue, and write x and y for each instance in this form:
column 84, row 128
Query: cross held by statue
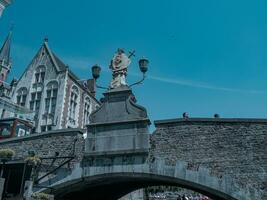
column 131, row 53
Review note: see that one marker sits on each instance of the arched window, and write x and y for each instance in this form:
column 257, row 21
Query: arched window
column 86, row 111
column 21, row 96
column 40, row 74
column 73, row 104
column 51, row 97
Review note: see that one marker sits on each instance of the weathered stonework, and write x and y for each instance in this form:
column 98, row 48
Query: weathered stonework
column 235, row 147
column 47, row 144
column 118, row 130
column 225, row 156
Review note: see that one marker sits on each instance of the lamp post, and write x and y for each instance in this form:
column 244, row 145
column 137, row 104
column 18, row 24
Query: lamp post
column 143, row 66
column 96, row 69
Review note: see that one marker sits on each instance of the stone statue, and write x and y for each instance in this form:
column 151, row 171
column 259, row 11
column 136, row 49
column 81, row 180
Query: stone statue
column 119, row 65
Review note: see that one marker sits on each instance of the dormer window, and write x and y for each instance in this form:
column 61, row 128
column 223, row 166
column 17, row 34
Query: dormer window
column 40, row 74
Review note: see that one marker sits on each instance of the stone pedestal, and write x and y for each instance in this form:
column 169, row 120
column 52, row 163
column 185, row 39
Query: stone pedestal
column 118, row 131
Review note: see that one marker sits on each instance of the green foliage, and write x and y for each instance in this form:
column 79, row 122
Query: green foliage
column 33, row 160
column 40, row 196
column 6, row 153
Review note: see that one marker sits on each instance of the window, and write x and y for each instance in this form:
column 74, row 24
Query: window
column 46, row 128
column 2, row 77
column 6, row 128
column 40, row 74
column 73, row 104
column 43, row 128
column 21, row 96
column 35, row 101
column 50, row 106
column 86, row 112
column 3, row 113
column 51, row 97
column 49, row 128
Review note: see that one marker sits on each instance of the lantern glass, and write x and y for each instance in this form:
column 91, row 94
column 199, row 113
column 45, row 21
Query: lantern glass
column 96, row 71
column 143, row 65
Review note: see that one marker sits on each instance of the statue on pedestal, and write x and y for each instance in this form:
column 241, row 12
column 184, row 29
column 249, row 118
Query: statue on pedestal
column 119, row 65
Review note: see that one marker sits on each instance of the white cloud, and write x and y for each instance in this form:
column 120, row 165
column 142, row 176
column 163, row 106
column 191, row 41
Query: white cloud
column 202, row 85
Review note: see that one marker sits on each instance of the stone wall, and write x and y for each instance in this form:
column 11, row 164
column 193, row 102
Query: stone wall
column 237, row 147
column 47, row 144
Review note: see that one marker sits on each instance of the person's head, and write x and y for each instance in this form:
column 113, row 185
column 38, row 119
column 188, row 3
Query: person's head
column 185, row 115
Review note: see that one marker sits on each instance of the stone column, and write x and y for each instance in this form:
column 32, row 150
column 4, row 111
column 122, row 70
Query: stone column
column 2, row 185
column 28, row 190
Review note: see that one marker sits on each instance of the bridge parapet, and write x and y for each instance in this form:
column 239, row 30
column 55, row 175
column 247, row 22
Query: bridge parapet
column 227, row 147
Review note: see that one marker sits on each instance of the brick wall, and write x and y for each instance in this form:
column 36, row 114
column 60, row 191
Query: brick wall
column 226, row 146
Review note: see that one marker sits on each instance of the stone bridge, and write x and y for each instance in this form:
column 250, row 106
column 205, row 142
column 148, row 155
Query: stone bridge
column 221, row 158
column 113, row 182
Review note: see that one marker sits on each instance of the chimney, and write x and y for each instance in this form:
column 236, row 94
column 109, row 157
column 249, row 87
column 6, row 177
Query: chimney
column 91, row 86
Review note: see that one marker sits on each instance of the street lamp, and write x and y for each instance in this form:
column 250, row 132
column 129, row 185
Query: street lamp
column 96, row 69
column 143, row 66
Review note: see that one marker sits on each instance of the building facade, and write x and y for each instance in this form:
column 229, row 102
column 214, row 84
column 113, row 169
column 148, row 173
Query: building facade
column 3, row 5
column 49, row 90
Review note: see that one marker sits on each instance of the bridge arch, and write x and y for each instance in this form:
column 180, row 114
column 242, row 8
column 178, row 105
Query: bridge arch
column 113, row 182
column 115, row 185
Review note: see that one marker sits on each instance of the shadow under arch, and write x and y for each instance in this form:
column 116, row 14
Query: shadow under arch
column 115, row 185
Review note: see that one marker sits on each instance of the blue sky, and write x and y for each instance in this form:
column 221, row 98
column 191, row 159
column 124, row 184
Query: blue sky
column 206, row 56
